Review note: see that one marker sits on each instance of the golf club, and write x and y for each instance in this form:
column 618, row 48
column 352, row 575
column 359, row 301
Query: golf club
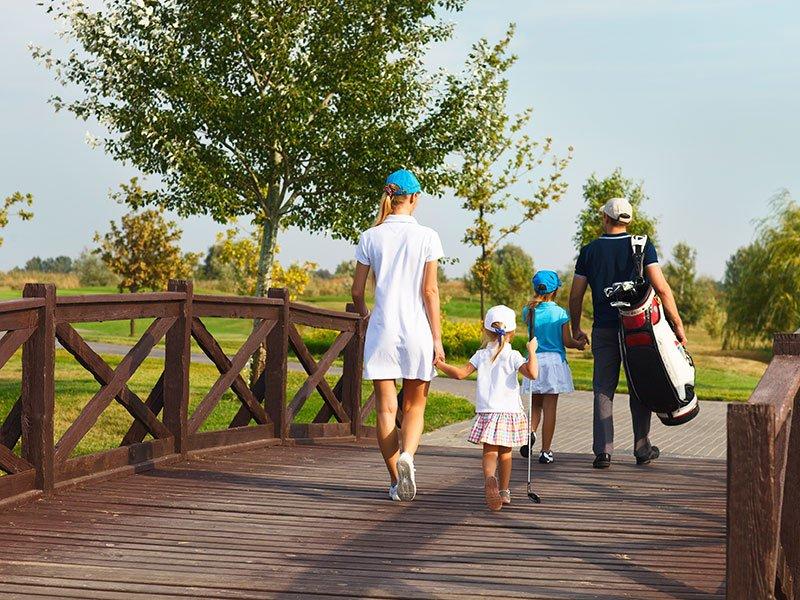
column 533, row 496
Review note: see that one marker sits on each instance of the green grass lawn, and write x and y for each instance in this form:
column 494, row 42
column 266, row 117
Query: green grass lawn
column 75, row 386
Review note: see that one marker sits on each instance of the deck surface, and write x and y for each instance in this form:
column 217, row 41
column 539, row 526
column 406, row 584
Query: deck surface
column 314, row 521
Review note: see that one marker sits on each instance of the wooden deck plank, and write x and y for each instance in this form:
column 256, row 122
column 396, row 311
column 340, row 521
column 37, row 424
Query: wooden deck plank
column 314, row 521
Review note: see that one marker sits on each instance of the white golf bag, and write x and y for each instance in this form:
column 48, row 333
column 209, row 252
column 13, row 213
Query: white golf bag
column 659, row 370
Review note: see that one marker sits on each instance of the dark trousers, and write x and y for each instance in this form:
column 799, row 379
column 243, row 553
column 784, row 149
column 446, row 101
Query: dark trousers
column 607, row 363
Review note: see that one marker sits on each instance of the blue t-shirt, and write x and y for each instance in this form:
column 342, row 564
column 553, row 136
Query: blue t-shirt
column 548, row 324
column 604, row 261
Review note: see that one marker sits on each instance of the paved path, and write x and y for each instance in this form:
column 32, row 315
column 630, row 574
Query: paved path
column 705, row 436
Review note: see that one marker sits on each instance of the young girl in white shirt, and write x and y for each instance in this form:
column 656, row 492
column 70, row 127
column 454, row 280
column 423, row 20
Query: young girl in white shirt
column 500, row 423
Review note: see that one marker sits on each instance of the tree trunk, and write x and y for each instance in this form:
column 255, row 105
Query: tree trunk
column 266, row 256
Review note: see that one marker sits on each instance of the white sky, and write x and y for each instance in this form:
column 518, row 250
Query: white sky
column 696, row 97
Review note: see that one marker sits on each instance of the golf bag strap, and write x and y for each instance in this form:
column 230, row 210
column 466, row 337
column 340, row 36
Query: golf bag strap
column 638, row 243
column 531, row 321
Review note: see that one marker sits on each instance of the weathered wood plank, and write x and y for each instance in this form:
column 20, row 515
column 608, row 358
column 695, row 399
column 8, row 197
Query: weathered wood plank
column 273, row 377
column 93, row 310
column 154, row 403
column 11, row 430
column 225, row 380
column 98, row 403
column 177, row 361
column 10, row 343
column 230, row 437
column 38, row 388
column 11, row 463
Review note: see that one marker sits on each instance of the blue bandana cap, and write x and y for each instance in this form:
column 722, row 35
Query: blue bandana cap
column 405, row 181
column 546, row 282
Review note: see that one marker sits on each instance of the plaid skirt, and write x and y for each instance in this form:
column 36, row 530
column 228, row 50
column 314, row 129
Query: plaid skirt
column 508, row 429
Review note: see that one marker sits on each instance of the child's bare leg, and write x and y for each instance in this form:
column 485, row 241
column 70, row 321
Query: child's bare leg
column 489, row 460
column 386, row 409
column 550, row 403
column 504, row 467
column 536, row 411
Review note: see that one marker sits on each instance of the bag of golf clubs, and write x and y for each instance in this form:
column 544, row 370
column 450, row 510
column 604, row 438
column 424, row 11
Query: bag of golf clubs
column 659, row 369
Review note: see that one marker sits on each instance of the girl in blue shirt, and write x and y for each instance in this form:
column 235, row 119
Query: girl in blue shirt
column 549, row 324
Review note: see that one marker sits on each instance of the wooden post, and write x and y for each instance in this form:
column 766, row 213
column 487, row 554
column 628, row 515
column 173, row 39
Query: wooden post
column 38, row 388
column 752, row 525
column 789, row 559
column 275, row 369
column 352, row 373
column 177, row 361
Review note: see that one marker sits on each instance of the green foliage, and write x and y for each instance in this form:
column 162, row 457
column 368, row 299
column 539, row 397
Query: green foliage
column 510, row 275
column 499, row 160
column 92, row 271
column 7, row 209
column 56, row 264
column 596, row 192
column 143, row 250
column 272, row 111
column 762, row 280
column 681, row 273
column 346, row 268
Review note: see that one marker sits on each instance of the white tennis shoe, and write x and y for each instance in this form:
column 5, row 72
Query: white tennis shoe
column 406, row 483
column 393, row 495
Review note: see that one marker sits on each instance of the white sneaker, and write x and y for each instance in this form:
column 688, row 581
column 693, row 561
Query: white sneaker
column 393, row 495
column 406, row 484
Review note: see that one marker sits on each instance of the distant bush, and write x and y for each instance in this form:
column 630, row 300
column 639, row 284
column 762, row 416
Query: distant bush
column 92, row 271
column 55, row 264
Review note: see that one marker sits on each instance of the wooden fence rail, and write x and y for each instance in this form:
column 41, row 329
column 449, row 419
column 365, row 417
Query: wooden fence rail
column 764, row 483
column 162, row 426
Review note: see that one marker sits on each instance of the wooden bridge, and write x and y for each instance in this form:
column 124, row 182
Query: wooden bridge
column 272, row 508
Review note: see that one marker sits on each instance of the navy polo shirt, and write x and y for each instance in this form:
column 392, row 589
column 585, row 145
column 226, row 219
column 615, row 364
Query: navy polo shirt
column 604, row 261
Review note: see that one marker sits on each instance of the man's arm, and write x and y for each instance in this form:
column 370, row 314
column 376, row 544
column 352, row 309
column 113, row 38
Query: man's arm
column 661, row 286
column 576, row 294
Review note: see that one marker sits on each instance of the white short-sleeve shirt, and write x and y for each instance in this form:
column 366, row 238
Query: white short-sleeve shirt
column 498, row 381
column 399, row 343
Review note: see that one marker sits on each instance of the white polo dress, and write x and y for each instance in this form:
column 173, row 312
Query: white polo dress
column 399, row 343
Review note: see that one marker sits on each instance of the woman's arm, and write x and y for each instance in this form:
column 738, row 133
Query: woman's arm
column 359, row 285
column 456, row 372
column 430, row 296
column 569, row 341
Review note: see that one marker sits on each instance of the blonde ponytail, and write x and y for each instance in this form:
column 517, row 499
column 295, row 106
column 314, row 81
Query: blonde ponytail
column 490, row 336
column 389, row 200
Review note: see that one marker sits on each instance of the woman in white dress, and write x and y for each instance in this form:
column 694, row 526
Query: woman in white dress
column 404, row 335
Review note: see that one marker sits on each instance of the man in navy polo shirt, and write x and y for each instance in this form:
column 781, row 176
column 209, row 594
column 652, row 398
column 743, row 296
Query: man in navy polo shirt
column 600, row 263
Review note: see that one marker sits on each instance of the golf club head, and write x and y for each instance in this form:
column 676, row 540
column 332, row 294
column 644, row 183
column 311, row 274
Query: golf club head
column 534, row 497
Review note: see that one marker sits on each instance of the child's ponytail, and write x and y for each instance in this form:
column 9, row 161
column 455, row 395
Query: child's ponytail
column 496, row 333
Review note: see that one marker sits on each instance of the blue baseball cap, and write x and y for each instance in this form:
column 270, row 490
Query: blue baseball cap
column 546, row 282
column 405, row 182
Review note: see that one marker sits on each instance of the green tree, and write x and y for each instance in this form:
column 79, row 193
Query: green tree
column 509, row 279
column 762, row 280
column 681, row 273
column 346, row 268
column 596, row 192
column 272, row 111
column 9, row 209
column 499, row 160
column 143, row 250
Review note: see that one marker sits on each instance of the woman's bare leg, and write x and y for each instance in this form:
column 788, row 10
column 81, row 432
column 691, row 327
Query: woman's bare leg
column 386, row 409
column 504, row 466
column 550, row 403
column 415, row 397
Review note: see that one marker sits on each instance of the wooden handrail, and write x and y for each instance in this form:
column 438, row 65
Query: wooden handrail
column 763, row 554
column 36, row 321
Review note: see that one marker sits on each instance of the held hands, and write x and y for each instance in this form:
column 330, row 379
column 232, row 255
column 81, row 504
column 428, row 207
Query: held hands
column 438, row 352
column 532, row 345
column 580, row 336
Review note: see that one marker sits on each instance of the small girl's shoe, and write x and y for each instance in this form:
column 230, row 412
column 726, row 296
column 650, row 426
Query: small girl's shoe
column 492, row 491
column 393, row 495
column 505, row 496
column 546, row 457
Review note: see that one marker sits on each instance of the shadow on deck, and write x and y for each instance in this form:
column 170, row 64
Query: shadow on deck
column 315, row 521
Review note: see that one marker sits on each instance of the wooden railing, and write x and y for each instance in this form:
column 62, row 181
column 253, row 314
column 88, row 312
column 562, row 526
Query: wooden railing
column 35, row 323
column 764, row 483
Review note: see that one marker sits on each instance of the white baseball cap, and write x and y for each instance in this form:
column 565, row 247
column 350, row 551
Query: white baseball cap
column 619, row 209
column 503, row 315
